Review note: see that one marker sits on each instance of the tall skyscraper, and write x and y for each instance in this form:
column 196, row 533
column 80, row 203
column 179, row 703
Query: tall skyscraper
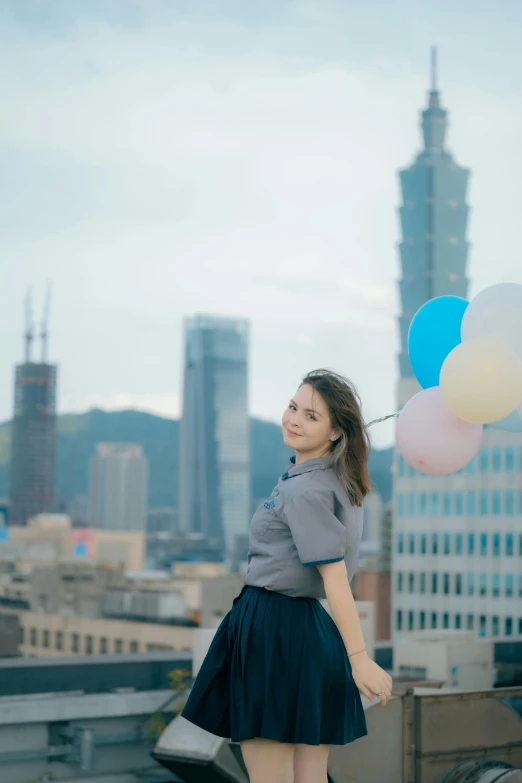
column 118, row 487
column 33, row 439
column 457, row 541
column 433, row 214
column 214, row 489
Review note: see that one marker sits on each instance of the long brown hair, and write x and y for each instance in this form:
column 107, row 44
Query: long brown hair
column 351, row 450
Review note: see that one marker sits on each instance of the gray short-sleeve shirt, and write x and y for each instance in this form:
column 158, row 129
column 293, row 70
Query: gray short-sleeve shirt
column 308, row 520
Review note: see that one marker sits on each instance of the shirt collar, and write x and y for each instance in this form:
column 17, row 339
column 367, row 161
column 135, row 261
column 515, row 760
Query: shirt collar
column 317, row 463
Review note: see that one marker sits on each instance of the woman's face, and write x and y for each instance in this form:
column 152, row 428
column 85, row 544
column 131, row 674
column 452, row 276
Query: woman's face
column 306, row 423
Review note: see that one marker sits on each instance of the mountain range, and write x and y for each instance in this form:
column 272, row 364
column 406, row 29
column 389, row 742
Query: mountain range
column 78, row 435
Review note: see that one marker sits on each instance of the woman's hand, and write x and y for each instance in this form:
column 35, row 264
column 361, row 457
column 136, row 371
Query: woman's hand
column 372, row 681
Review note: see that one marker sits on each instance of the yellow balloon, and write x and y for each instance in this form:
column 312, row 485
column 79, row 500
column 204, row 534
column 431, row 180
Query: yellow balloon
column 481, row 380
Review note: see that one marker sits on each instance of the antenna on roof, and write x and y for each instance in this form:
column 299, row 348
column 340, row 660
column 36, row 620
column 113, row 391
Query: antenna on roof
column 434, row 69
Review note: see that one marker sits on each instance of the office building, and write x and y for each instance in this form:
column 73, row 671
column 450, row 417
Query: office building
column 118, row 487
column 214, row 489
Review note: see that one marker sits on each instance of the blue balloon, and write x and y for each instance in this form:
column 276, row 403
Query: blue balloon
column 511, row 423
column 434, row 332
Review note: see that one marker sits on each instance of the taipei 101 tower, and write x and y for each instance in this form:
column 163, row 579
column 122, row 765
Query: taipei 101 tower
column 457, row 546
column 434, row 216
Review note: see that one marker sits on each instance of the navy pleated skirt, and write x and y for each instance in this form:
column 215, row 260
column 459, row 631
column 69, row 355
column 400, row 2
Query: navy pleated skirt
column 277, row 668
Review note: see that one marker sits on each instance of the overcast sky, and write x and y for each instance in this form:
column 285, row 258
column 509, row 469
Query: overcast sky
column 162, row 158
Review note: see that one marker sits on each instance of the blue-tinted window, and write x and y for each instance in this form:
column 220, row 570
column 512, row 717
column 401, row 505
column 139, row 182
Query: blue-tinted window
column 484, row 461
column 510, row 502
column 400, row 581
column 471, row 583
column 496, row 544
column 483, row 544
column 412, row 504
column 435, row 510
column 472, row 465
column 459, row 503
column 471, row 543
column 411, row 582
column 482, row 625
column 483, row 502
column 401, row 466
column 445, row 620
column 495, row 585
column 510, row 459
column 520, row 544
column 447, row 504
column 412, row 543
column 472, row 505
column 458, row 584
column 434, row 583
column 423, row 504
column 509, row 626
column 457, row 621
column 400, row 504
column 458, row 544
column 482, row 584
column 509, row 580
column 400, row 543
column 423, row 543
column 494, row 625
column 422, row 582
column 471, row 622
column 509, row 544
column 497, row 459
column 435, row 544
column 434, row 619
column 497, row 502
column 399, row 619
column 422, row 620
column 410, row 621
column 520, row 585
column 447, row 543
column 446, row 583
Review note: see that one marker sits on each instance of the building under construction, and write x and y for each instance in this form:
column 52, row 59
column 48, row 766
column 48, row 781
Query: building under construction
column 33, row 441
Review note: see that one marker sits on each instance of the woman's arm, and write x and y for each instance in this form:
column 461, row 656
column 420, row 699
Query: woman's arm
column 369, row 678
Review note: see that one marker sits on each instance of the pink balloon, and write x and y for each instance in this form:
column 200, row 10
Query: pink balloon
column 432, row 439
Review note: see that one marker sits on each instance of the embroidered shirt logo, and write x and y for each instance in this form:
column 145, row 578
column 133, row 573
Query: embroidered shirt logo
column 271, row 503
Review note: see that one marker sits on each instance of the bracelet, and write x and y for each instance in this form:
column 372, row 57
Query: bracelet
column 350, row 655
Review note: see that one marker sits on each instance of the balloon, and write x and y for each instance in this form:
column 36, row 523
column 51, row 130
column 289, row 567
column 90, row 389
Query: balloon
column 496, row 312
column 433, row 333
column 432, row 439
column 511, row 423
column 481, row 380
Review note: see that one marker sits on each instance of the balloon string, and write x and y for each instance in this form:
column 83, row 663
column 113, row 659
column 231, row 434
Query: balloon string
column 384, row 418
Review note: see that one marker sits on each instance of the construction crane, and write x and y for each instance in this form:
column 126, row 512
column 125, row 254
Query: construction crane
column 44, row 333
column 28, row 336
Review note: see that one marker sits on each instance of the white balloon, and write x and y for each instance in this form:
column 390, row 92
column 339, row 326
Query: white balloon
column 495, row 312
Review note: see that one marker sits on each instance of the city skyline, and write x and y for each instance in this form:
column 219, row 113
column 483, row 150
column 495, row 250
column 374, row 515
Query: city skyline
column 250, row 172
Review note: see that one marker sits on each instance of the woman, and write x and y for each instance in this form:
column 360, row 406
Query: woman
column 281, row 677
